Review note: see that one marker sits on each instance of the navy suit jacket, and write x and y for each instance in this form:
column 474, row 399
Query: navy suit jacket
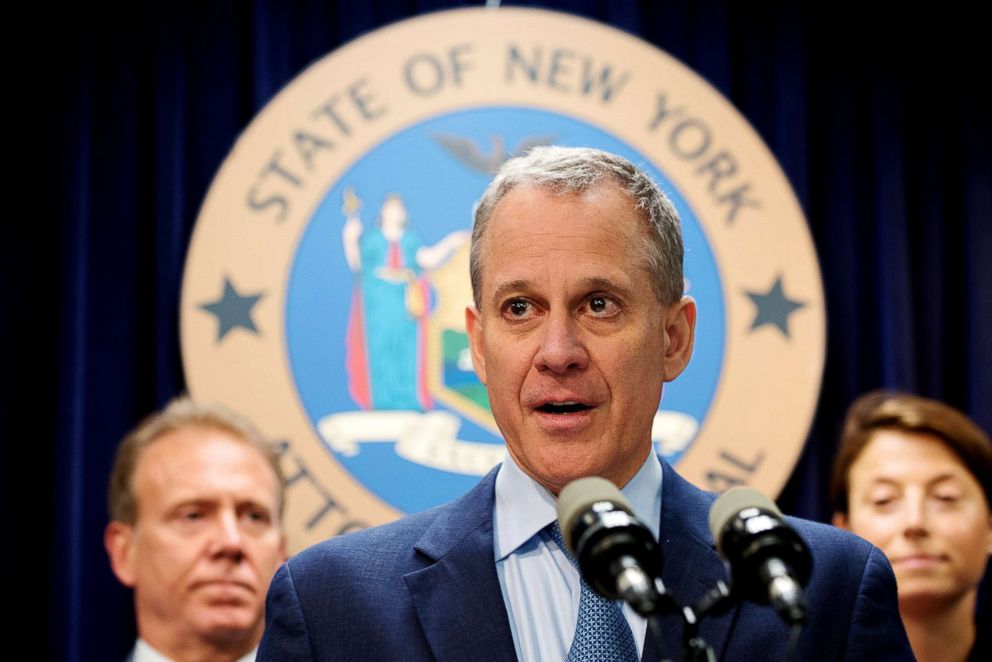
column 425, row 588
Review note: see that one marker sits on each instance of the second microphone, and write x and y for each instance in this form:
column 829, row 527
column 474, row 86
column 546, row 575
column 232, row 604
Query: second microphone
column 617, row 553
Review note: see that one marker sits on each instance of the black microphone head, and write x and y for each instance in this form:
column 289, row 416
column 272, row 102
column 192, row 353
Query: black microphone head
column 732, row 502
column 601, row 531
column 750, row 532
column 583, row 494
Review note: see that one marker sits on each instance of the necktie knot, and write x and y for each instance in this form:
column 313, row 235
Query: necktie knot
column 554, row 529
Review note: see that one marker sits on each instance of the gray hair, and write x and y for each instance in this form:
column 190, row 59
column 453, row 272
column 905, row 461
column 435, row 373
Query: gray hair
column 181, row 413
column 574, row 170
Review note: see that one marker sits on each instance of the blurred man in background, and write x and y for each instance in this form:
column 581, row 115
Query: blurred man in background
column 196, row 501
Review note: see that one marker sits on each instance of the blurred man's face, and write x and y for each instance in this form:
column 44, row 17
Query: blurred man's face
column 570, row 338
column 206, row 541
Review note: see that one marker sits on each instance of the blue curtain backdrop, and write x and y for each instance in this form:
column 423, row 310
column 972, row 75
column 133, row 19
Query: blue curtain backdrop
column 881, row 122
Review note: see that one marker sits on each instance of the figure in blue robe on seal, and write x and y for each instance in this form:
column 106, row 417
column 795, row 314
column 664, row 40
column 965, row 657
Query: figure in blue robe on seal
column 391, row 302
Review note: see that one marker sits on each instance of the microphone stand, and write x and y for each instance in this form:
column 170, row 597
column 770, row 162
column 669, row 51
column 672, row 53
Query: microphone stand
column 716, row 601
column 653, row 601
column 648, row 598
column 657, row 602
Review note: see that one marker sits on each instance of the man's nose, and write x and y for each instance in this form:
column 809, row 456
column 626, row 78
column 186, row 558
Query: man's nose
column 228, row 537
column 561, row 347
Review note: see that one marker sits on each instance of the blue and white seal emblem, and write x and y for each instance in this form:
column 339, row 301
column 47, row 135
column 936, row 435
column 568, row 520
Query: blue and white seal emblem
column 327, row 278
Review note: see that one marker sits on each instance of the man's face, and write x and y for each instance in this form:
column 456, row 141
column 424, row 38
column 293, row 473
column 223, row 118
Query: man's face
column 570, row 338
column 913, row 498
column 206, row 541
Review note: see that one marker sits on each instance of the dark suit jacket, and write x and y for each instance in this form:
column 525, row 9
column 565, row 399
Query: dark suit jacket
column 425, row 588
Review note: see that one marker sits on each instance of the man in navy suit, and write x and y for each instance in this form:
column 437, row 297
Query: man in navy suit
column 579, row 319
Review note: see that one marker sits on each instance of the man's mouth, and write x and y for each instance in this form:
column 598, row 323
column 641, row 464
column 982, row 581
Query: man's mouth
column 567, row 407
column 224, row 585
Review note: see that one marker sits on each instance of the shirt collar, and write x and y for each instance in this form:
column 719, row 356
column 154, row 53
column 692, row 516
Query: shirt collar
column 524, row 507
column 143, row 652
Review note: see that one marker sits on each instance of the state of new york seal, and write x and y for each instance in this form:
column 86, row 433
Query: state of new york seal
column 327, row 277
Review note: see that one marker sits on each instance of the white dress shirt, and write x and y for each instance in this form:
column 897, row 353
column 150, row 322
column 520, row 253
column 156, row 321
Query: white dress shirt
column 143, row 652
column 540, row 585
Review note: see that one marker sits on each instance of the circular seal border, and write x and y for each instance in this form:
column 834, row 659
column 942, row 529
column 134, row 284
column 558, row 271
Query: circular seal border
column 357, row 96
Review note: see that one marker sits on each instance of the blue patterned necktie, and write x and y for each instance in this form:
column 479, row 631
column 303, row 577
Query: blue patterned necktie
column 601, row 632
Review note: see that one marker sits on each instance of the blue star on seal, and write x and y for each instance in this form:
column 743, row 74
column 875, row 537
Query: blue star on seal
column 773, row 307
column 233, row 310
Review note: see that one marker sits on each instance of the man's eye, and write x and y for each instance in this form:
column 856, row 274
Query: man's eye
column 191, row 515
column 602, row 305
column 518, row 308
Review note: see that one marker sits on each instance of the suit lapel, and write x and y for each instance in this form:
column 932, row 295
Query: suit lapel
column 457, row 597
column 459, row 601
column 690, row 567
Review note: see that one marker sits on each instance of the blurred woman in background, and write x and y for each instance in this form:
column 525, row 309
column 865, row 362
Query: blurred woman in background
column 913, row 476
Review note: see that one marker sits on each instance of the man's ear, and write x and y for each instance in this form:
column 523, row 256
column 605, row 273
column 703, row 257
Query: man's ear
column 118, row 538
column 473, row 325
column 840, row 521
column 680, row 334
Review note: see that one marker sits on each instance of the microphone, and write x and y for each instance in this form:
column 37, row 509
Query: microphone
column 617, row 554
column 769, row 562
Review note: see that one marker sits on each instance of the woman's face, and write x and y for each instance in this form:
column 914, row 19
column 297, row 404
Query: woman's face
column 913, row 498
